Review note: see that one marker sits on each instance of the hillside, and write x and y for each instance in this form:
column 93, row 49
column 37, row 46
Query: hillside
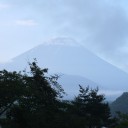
column 120, row 104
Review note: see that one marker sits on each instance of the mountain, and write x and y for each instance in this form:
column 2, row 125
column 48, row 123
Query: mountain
column 66, row 56
column 120, row 104
column 71, row 83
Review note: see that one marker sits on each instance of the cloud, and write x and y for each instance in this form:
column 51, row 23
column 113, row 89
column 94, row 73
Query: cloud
column 110, row 31
column 107, row 34
column 4, row 6
column 100, row 25
column 26, row 22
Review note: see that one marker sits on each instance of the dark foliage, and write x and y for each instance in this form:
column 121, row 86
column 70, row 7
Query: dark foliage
column 34, row 100
column 91, row 105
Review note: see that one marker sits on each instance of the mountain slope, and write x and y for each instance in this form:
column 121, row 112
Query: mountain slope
column 72, row 59
column 120, row 104
column 71, row 83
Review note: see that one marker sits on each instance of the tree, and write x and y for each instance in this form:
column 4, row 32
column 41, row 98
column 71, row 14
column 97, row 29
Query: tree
column 10, row 89
column 121, row 120
column 91, row 105
column 34, row 99
column 38, row 104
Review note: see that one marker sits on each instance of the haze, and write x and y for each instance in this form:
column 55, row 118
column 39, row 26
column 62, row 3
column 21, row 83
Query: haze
column 99, row 25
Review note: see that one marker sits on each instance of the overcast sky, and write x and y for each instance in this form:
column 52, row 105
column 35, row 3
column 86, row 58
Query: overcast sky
column 99, row 25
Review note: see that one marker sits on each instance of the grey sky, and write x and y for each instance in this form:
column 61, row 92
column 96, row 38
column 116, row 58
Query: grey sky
column 100, row 25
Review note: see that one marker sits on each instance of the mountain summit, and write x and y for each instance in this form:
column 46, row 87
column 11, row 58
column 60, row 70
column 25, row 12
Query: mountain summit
column 66, row 56
column 62, row 41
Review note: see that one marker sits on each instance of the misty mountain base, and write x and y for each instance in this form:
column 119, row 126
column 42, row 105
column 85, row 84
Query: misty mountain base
column 35, row 100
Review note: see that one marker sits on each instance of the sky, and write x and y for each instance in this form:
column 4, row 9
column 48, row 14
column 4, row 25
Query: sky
column 99, row 25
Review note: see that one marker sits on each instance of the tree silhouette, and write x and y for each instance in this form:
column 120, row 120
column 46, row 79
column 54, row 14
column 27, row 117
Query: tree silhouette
column 91, row 106
column 30, row 99
column 34, row 100
column 10, row 89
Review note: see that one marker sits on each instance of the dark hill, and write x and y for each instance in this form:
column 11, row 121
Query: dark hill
column 120, row 104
